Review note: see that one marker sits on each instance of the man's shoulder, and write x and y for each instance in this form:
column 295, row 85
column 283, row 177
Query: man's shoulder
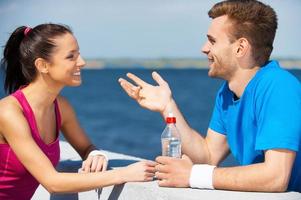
column 273, row 75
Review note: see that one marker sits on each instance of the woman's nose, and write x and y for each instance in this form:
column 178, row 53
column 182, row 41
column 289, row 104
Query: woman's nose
column 81, row 62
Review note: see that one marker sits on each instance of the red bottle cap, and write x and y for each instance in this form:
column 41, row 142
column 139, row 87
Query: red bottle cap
column 170, row 120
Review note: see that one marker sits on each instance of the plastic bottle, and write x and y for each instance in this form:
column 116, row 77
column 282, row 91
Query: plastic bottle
column 171, row 139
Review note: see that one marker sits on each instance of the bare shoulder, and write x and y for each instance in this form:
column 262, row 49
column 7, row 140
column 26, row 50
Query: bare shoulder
column 9, row 106
column 10, row 109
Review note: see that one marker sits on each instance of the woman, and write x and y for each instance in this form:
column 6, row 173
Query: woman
column 39, row 62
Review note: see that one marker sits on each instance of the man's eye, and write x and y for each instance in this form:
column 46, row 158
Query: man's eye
column 212, row 41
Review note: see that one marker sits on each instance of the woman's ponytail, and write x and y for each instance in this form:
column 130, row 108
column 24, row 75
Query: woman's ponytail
column 11, row 61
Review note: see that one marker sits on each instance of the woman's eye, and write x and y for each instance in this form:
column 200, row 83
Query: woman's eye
column 70, row 57
column 73, row 56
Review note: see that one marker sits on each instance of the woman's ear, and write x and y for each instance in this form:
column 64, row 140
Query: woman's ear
column 41, row 65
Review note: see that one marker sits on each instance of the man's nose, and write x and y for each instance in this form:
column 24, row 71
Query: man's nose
column 205, row 49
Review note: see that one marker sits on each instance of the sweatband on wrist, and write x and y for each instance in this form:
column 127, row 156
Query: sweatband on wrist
column 98, row 153
column 201, row 176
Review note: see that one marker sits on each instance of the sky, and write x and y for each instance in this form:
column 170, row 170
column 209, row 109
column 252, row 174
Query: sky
column 141, row 28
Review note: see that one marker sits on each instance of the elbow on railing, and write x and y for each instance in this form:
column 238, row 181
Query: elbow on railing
column 50, row 189
column 281, row 186
column 52, row 184
column 279, row 183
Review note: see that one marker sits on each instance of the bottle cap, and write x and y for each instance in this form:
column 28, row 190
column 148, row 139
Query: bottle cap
column 170, row 119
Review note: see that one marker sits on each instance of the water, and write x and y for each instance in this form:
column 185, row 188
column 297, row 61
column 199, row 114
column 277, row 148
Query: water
column 171, row 147
column 115, row 122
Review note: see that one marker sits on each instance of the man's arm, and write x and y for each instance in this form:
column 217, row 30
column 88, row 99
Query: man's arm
column 270, row 176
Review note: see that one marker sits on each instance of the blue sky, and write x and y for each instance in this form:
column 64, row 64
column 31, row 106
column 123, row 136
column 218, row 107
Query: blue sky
column 140, row 28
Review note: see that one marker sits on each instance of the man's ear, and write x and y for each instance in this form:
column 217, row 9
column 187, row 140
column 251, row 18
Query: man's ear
column 41, row 65
column 243, row 47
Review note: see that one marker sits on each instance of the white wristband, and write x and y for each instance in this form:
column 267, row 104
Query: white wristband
column 201, row 176
column 97, row 153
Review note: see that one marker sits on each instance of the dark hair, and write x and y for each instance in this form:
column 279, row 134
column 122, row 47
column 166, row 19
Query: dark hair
column 23, row 48
column 253, row 20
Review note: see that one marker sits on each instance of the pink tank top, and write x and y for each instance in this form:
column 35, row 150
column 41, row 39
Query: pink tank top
column 16, row 183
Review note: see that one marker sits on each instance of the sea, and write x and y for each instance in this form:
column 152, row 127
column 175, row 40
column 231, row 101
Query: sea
column 115, row 122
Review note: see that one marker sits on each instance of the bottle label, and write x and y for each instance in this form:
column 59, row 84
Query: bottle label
column 171, row 147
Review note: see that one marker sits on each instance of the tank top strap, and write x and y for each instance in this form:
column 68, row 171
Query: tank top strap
column 27, row 111
column 57, row 116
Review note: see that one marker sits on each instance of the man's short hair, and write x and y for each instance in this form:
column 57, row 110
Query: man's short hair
column 252, row 20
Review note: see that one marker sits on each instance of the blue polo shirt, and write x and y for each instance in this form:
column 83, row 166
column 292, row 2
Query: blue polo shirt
column 267, row 116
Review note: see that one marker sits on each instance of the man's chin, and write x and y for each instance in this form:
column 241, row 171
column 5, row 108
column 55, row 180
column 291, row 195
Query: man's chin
column 212, row 74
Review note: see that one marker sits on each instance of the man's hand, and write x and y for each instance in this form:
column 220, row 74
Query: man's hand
column 173, row 172
column 152, row 97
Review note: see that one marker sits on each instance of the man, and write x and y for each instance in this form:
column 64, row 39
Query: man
column 257, row 113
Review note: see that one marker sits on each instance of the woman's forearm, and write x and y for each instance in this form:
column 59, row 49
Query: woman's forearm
column 78, row 182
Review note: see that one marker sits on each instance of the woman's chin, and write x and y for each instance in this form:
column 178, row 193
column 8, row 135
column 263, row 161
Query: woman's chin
column 75, row 83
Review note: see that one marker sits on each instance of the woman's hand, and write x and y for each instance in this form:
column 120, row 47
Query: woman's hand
column 94, row 163
column 155, row 98
column 139, row 171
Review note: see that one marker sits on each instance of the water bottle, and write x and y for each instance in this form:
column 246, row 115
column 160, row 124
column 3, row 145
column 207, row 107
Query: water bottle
column 170, row 138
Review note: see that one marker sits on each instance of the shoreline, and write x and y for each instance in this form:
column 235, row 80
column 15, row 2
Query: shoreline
column 167, row 63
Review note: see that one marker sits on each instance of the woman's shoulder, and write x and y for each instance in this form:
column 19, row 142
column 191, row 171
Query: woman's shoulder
column 9, row 105
column 9, row 110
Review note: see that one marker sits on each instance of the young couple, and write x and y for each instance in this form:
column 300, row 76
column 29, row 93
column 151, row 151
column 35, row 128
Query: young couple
column 256, row 115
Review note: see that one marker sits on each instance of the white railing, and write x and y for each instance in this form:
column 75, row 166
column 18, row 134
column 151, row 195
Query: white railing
column 70, row 162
